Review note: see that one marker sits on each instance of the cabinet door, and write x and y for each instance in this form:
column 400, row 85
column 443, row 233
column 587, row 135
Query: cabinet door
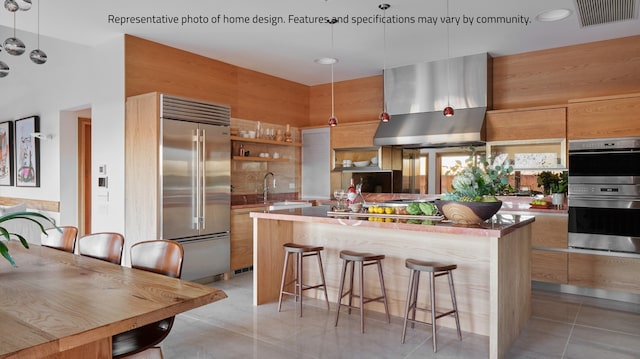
column 242, row 237
column 548, row 265
column 526, row 124
column 353, row 135
column 604, row 118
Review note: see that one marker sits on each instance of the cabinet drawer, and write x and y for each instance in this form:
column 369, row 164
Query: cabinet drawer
column 604, row 272
column 550, row 231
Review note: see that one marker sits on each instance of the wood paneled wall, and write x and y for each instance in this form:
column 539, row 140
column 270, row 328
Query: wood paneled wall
column 554, row 76
column 538, row 78
column 355, row 101
column 152, row 67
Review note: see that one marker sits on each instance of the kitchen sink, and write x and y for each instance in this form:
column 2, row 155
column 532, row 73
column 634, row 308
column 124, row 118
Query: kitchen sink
column 275, row 206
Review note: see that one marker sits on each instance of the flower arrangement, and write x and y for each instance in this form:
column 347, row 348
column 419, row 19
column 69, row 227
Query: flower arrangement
column 479, row 180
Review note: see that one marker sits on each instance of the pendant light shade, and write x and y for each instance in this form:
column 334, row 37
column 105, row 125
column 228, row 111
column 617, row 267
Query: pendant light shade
column 38, row 56
column 4, row 69
column 11, row 5
column 384, row 115
column 448, row 111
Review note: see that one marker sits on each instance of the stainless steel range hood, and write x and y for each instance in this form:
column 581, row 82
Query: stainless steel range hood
column 417, row 95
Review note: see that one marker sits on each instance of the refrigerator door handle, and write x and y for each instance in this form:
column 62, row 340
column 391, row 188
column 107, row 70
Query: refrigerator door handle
column 203, row 179
column 195, row 210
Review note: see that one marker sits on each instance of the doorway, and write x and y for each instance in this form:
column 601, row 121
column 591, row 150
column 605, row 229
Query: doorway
column 84, row 176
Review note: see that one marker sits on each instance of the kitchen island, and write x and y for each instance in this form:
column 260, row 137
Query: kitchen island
column 493, row 286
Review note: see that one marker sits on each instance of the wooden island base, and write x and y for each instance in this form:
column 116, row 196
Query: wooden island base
column 492, row 281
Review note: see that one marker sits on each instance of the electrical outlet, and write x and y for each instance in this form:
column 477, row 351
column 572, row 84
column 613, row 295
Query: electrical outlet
column 292, row 186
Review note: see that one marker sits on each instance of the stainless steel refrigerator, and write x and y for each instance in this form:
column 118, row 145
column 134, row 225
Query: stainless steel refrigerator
column 195, row 184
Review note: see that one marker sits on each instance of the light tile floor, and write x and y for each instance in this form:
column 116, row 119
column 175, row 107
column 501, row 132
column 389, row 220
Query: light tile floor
column 561, row 326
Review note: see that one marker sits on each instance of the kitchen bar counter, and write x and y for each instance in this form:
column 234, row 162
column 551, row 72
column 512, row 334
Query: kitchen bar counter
column 493, row 281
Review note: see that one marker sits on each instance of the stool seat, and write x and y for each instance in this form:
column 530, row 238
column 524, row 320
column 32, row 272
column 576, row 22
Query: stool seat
column 364, row 259
column 300, row 251
column 425, row 266
column 300, row 248
column 360, row 257
column 434, row 270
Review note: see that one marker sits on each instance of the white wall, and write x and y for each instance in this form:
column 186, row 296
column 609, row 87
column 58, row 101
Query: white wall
column 107, row 135
column 75, row 78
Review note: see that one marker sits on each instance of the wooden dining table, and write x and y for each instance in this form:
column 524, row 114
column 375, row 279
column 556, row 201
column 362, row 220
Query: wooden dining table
column 56, row 304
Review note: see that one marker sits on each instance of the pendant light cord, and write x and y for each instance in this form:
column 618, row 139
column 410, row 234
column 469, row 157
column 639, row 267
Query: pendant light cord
column 38, row 24
column 333, row 54
column 448, row 60
column 384, row 59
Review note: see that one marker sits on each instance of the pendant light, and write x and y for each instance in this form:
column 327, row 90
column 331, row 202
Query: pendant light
column 384, row 115
column 38, row 56
column 448, row 111
column 333, row 120
column 13, row 45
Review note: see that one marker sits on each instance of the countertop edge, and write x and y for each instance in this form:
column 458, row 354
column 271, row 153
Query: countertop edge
column 486, row 229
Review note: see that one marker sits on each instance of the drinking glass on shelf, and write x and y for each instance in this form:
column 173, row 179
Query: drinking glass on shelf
column 339, row 195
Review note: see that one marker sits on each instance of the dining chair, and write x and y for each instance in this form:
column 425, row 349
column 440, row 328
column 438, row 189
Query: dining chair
column 62, row 238
column 162, row 257
column 106, row 246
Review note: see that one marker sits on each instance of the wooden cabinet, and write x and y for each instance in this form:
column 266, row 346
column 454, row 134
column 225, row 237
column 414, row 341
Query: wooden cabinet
column 242, row 237
column 604, row 272
column 549, row 233
column 614, row 116
column 352, row 135
column 524, row 124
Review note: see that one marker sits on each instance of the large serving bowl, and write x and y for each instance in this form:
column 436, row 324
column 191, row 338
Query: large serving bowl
column 468, row 212
column 361, row 163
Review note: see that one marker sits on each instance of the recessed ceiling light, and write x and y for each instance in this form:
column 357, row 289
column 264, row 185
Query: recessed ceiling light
column 553, row 15
column 326, row 61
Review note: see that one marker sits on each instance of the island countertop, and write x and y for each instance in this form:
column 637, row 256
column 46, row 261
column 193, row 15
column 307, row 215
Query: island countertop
column 498, row 226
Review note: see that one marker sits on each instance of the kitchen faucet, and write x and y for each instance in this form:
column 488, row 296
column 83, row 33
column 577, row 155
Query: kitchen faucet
column 265, row 188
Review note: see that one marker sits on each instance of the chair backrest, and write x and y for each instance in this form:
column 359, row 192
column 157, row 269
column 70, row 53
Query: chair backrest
column 62, row 238
column 163, row 257
column 106, row 246
column 160, row 256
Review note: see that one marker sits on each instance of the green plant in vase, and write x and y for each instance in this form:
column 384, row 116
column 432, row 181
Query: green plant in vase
column 478, row 179
column 551, row 182
column 474, row 189
column 29, row 216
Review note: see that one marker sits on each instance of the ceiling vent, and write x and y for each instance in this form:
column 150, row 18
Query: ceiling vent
column 594, row 12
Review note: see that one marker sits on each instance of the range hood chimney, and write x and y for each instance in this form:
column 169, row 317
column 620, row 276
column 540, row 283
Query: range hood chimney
column 417, row 94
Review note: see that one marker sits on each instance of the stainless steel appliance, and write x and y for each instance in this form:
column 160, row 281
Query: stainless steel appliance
column 604, row 194
column 416, row 99
column 195, row 183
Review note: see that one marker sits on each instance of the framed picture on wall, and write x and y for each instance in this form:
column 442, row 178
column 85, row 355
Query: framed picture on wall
column 6, row 153
column 27, row 152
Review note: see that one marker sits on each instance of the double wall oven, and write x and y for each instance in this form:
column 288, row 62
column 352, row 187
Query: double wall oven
column 604, row 194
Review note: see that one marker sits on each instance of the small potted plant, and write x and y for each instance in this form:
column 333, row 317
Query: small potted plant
column 559, row 189
column 548, row 180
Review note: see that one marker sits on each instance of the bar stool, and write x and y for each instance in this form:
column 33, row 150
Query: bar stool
column 300, row 251
column 365, row 259
column 434, row 270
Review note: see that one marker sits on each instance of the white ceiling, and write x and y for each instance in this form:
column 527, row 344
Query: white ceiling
column 288, row 50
